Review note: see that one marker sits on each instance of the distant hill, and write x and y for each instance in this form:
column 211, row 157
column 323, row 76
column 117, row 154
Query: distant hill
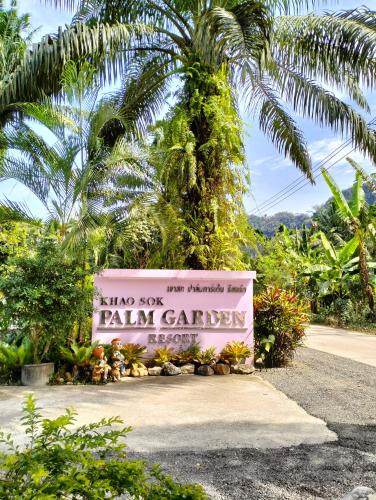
column 269, row 224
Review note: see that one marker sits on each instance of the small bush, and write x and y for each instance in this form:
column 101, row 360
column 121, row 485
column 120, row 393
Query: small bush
column 13, row 357
column 163, row 355
column 188, row 355
column 235, row 352
column 134, row 354
column 88, row 463
column 207, row 357
column 279, row 325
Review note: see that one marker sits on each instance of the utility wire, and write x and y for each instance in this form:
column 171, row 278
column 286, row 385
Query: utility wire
column 307, row 182
column 292, row 188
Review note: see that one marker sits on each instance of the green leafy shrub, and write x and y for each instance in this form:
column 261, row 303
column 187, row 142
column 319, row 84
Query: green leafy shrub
column 88, row 463
column 164, row 354
column 188, row 355
column 43, row 298
column 235, row 352
column 134, row 354
column 13, row 357
column 78, row 356
column 207, row 357
column 280, row 318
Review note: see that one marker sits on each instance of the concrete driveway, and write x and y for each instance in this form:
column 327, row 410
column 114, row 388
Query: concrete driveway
column 181, row 413
column 357, row 346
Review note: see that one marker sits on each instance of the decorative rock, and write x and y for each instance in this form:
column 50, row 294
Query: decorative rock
column 205, row 370
column 68, row 376
column 70, row 383
column 170, row 369
column 221, row 369
column 188, row 369
column 140, row 371
column 127, row 372
column 361, row 493
column 242, row 369
column 60, row 380
column 155, row 371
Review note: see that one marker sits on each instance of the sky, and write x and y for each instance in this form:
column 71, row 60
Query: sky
column 271, row 173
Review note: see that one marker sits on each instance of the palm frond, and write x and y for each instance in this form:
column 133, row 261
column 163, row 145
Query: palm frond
column 276, row 123
column 42, row 68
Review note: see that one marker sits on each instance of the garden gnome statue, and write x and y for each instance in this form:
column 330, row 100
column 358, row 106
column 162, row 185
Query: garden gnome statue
column 100, row 368
column 117, row 355
column 115, row 371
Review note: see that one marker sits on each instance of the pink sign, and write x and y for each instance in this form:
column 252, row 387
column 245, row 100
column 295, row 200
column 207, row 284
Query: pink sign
column 174, row 308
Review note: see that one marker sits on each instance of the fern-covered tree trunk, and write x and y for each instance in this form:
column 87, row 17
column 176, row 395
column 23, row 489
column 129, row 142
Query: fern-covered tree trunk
column 212, row 189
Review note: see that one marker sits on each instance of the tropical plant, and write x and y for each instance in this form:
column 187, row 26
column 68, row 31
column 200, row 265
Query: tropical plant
column 262, row 54
column 78, row 356
column 280, row 318
column 87, row 462
column 134, row 354
column 163, row 355
column 43, row 298
column 206, row 357
column 235, row 352
column 188, row 355
column 13, row 357
column 360, row 219
column 78, row 177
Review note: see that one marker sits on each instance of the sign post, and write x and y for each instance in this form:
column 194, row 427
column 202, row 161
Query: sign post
column 174, row 308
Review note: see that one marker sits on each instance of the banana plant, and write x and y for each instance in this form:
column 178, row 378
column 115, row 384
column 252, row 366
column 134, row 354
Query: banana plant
column 337, row 268
column 360, row 219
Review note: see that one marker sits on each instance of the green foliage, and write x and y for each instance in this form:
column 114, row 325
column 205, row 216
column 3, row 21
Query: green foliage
column 235, row 352
column 207, row 357
column 203, row 175
column 43, row 297
column 78, row 355
column 188, row 355
column 134, row 354
column 88, row 462
column 16, row 356
column 163, row 355
column 13, row 357
column 280, row 318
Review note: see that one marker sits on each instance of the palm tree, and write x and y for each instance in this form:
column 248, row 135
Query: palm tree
column 263, row 55
column 66, row 165
column 358, row 218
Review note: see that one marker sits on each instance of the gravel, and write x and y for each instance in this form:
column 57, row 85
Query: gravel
column 341, row 392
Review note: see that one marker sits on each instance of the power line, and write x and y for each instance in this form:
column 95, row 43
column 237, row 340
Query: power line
column 302, row 179
column 293, row 186
column 307, row 182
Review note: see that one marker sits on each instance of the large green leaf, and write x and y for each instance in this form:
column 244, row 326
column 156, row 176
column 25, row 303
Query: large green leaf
column 357, row 195
column 345, row 254
column 339, row 199
column 328, row 248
